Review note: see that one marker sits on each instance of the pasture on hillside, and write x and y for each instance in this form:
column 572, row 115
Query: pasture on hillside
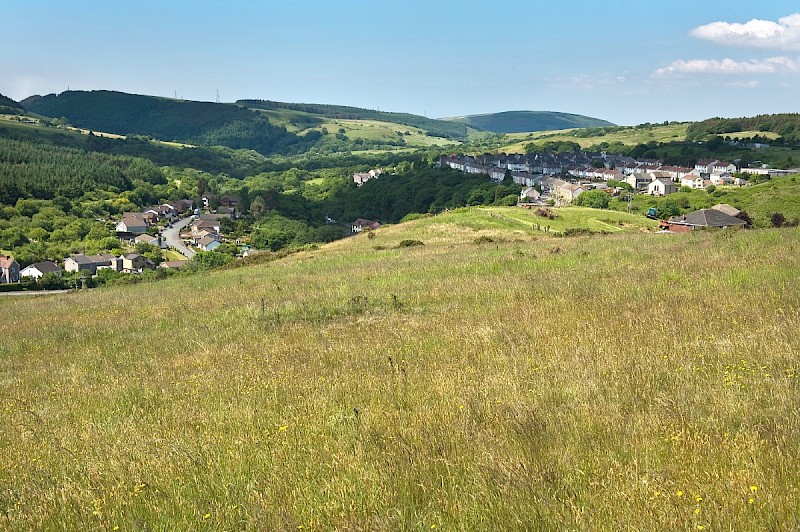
column 629, row 137
column 618, row 382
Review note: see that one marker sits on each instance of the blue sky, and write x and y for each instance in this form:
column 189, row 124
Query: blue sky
column 627, row 61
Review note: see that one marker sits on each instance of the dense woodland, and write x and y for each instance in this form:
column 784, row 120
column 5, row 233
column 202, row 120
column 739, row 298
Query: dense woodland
column 785, row 125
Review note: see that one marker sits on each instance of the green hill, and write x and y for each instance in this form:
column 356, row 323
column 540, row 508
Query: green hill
column 437, row 128
column 466, row 384
column 9, row 106
column 201, row 123
column 528, row 121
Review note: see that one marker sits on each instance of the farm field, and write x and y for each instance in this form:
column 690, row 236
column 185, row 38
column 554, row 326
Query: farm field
column 518, row 381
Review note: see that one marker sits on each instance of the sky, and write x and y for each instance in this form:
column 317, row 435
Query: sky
column 629, row 62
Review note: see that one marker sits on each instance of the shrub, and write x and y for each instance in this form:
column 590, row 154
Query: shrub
column 410, row 243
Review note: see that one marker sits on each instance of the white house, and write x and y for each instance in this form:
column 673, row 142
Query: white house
column 693, row 181
column 662, row 186
column 133, row 225
column 38, row 269
column 723, row 178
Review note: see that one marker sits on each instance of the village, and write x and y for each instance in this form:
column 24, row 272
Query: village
column 178, row 225
column 561, row 178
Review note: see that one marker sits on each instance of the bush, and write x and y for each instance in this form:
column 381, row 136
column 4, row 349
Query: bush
column 596, row 199
column 410, row 243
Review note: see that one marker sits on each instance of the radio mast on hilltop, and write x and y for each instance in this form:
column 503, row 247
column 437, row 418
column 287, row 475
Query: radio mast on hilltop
column 217, row 95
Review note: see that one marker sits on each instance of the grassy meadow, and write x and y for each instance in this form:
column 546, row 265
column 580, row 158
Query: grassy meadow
column 629, row 381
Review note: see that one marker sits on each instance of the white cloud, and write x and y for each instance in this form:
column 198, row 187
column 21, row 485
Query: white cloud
column 771, row 65
column 753, row 84
column 781, row 35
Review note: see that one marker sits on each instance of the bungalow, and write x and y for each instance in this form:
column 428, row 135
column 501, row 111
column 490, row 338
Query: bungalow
column 9, row 270
column 208, row 243
column 80, row 263
column 132, row 225
column 38, row 269
column 662, row 186
column 705, row 218
column 362, row 223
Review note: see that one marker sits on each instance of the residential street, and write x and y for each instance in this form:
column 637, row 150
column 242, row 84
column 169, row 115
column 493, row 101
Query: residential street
column 173, row 240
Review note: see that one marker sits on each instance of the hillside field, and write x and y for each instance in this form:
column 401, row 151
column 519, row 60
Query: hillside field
column 514, row 382
column 629, row 137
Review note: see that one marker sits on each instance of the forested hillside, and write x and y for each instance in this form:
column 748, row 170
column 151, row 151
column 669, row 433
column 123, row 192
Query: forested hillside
column 201, row 123
column 786, row 125
column 30, row 170
column 528, row 121
column 437, row 128
column 9, row 106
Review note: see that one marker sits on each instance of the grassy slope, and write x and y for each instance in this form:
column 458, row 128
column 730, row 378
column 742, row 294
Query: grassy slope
column 583, row 383
column 632, row 137
column 300, row 122
column 780, row 194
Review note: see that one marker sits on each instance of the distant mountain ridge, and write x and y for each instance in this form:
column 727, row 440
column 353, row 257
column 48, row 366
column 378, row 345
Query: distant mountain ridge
column 528, row 121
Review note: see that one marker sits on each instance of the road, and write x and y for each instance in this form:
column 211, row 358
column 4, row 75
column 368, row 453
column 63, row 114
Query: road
column 173, row 239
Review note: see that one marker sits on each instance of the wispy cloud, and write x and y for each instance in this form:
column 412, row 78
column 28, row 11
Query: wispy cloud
column 752, row 84
column 771, row 65
column 756, row 33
